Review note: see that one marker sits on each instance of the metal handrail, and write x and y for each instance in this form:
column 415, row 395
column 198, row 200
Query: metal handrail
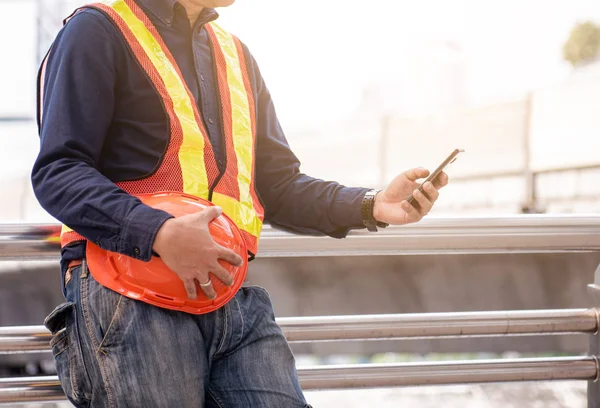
column 39, row 389
column 24, row 339
column 28, row 339
column 522, row 233
column 440, row 325
column 516, row 234
column 30, row 389
column 525, row 234
column 454, row 372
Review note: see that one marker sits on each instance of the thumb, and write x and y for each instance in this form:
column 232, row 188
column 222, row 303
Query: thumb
column 416, row 173
column 209, row 214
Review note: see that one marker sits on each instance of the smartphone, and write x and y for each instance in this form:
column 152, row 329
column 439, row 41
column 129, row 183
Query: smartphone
column 450, row 159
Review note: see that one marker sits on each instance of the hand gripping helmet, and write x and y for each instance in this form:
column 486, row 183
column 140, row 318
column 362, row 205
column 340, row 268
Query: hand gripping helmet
column 153, row 282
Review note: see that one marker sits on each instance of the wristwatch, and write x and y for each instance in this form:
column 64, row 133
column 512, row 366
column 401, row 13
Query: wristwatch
column 368, row 203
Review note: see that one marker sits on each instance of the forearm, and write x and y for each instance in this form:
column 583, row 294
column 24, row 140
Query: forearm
column 307, row 205
column 92, row 205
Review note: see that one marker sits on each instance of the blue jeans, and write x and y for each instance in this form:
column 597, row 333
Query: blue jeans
column 112, row 351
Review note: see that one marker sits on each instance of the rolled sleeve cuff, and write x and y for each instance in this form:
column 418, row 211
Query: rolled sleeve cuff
column 139, row 231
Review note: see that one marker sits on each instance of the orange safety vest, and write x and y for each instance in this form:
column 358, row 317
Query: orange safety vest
column 189, row 164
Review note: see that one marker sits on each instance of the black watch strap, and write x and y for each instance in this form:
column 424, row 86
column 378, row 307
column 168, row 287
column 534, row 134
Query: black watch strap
column 367, row 205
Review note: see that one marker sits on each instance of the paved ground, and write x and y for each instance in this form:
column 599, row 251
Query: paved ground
column 525, row 395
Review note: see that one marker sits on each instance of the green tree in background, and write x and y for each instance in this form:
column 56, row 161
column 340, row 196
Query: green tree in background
column 583, row 44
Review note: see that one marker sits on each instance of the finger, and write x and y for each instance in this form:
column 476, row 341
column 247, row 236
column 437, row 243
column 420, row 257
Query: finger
column 207, row 288
column 423, row 202
column 223, row 274
column 416, row 173
column 441, row 181
column 210, row 213
column 190, row 288
column 431, row 192
column 230, row 256
column 412, row 215
column 413, row 202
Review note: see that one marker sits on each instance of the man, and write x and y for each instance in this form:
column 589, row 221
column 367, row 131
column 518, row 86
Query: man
column 147, row 95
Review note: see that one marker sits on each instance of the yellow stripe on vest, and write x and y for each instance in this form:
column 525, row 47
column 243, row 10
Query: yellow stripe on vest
column 243, row 213
column 243, row 216
column 191, row 152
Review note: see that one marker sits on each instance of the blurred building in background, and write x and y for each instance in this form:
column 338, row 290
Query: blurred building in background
column 534, row 152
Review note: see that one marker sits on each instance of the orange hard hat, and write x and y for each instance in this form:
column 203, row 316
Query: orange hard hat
column 153, row 282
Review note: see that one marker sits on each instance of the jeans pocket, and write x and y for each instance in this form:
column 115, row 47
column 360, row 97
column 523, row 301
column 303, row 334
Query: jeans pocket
column 66, row 349
column 109, row 314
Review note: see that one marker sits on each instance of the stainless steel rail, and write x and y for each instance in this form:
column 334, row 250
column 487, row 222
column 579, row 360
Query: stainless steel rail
column 455, row 372
column 520, row 234
column 523, row 233
column 24, row 339
column 435, row 325
column 370, row 327
column 372, row 376
column 30, row 389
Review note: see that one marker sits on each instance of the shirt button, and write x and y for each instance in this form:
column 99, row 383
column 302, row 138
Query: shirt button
column 168, row 20
column 211, row 121
column 201, row 77
column 136, row 251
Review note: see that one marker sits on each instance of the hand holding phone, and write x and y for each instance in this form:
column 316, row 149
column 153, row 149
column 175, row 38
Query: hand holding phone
column 450, row 159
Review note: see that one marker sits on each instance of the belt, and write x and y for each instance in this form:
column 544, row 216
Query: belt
column 73, row 263
column 69, row 274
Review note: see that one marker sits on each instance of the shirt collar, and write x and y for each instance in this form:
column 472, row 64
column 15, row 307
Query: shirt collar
column 164, row 10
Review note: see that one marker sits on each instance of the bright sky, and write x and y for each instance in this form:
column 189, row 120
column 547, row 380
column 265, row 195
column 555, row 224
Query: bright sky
column 318, row 57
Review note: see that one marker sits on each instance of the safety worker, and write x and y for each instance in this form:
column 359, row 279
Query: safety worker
column 143, row 96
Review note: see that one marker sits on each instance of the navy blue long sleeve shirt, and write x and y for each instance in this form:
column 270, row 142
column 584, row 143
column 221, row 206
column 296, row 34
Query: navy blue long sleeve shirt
column 101, row 121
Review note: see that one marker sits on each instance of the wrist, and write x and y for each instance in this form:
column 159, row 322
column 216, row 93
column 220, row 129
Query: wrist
column 370, row 213
column 377, row 206
column 138, row 232
column 162, row 236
